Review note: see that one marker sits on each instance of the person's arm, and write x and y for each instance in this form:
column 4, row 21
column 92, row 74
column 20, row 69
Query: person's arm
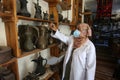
column 91, row 63
column 58, row 35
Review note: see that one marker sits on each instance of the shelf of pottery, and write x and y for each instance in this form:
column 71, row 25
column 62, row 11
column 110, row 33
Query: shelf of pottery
column 22, row 40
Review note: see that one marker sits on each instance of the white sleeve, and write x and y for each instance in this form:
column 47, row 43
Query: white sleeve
column 60, row 36
column 91, row 63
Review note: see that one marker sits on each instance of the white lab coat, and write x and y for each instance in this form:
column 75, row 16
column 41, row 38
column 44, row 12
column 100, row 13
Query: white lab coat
column 83, row 64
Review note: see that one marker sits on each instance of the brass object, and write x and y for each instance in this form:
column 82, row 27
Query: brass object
column 52, row 17
column 23, row 8
column 43, row 37
column 28, row 37
column 46, row 17
column 40, row 69
column 38, row 13
column 28, row 44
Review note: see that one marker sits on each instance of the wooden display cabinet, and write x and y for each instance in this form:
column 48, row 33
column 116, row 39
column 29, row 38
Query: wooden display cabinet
column 7, row 15
column 10, row 18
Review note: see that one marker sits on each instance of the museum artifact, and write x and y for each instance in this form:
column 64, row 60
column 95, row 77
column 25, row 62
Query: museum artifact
column 23, row 9
column 52, row 17
column 38, row 13
column 28, row 37
column 40, row 68
column 43, row 37
column 46, row 16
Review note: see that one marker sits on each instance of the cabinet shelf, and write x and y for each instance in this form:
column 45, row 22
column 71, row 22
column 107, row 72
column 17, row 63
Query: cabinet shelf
column 67, row 24
column 10, row 18
column 32, row 19
column 8, row 62
column 5, row 14
column 52, row 1
column 35, row 51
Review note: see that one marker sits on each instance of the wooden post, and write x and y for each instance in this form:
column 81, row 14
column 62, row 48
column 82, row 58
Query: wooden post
column 11, row 31
column 52, row 9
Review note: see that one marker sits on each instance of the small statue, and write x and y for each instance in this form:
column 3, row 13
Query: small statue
column 38, row 13
column 52, row 17
column 60, row 17
column 45, row 16
column 24, row 11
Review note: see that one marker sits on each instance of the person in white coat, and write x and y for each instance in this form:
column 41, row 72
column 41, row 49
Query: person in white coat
column 83, row 63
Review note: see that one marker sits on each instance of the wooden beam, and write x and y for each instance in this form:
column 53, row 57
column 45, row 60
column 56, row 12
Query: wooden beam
column 11, row 36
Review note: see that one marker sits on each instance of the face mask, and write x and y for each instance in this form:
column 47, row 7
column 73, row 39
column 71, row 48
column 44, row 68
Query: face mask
column 76, row 33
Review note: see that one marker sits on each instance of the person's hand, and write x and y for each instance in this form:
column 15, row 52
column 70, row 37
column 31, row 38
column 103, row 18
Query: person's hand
column 53, row 27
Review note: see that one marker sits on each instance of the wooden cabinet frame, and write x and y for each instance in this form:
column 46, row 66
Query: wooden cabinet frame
column 10, row 18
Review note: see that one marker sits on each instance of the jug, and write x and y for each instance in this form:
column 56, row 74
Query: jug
column 27, row 42
column 38, row 13
column 23, row 10
column 43, row 37
column 40, row 69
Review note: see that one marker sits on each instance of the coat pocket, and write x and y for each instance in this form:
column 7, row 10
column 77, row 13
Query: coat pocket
column 82, row 60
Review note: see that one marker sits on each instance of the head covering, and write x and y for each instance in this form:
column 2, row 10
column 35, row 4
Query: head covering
column 89, row 31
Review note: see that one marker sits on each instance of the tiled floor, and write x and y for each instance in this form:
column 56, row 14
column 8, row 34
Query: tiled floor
column 106, row 64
